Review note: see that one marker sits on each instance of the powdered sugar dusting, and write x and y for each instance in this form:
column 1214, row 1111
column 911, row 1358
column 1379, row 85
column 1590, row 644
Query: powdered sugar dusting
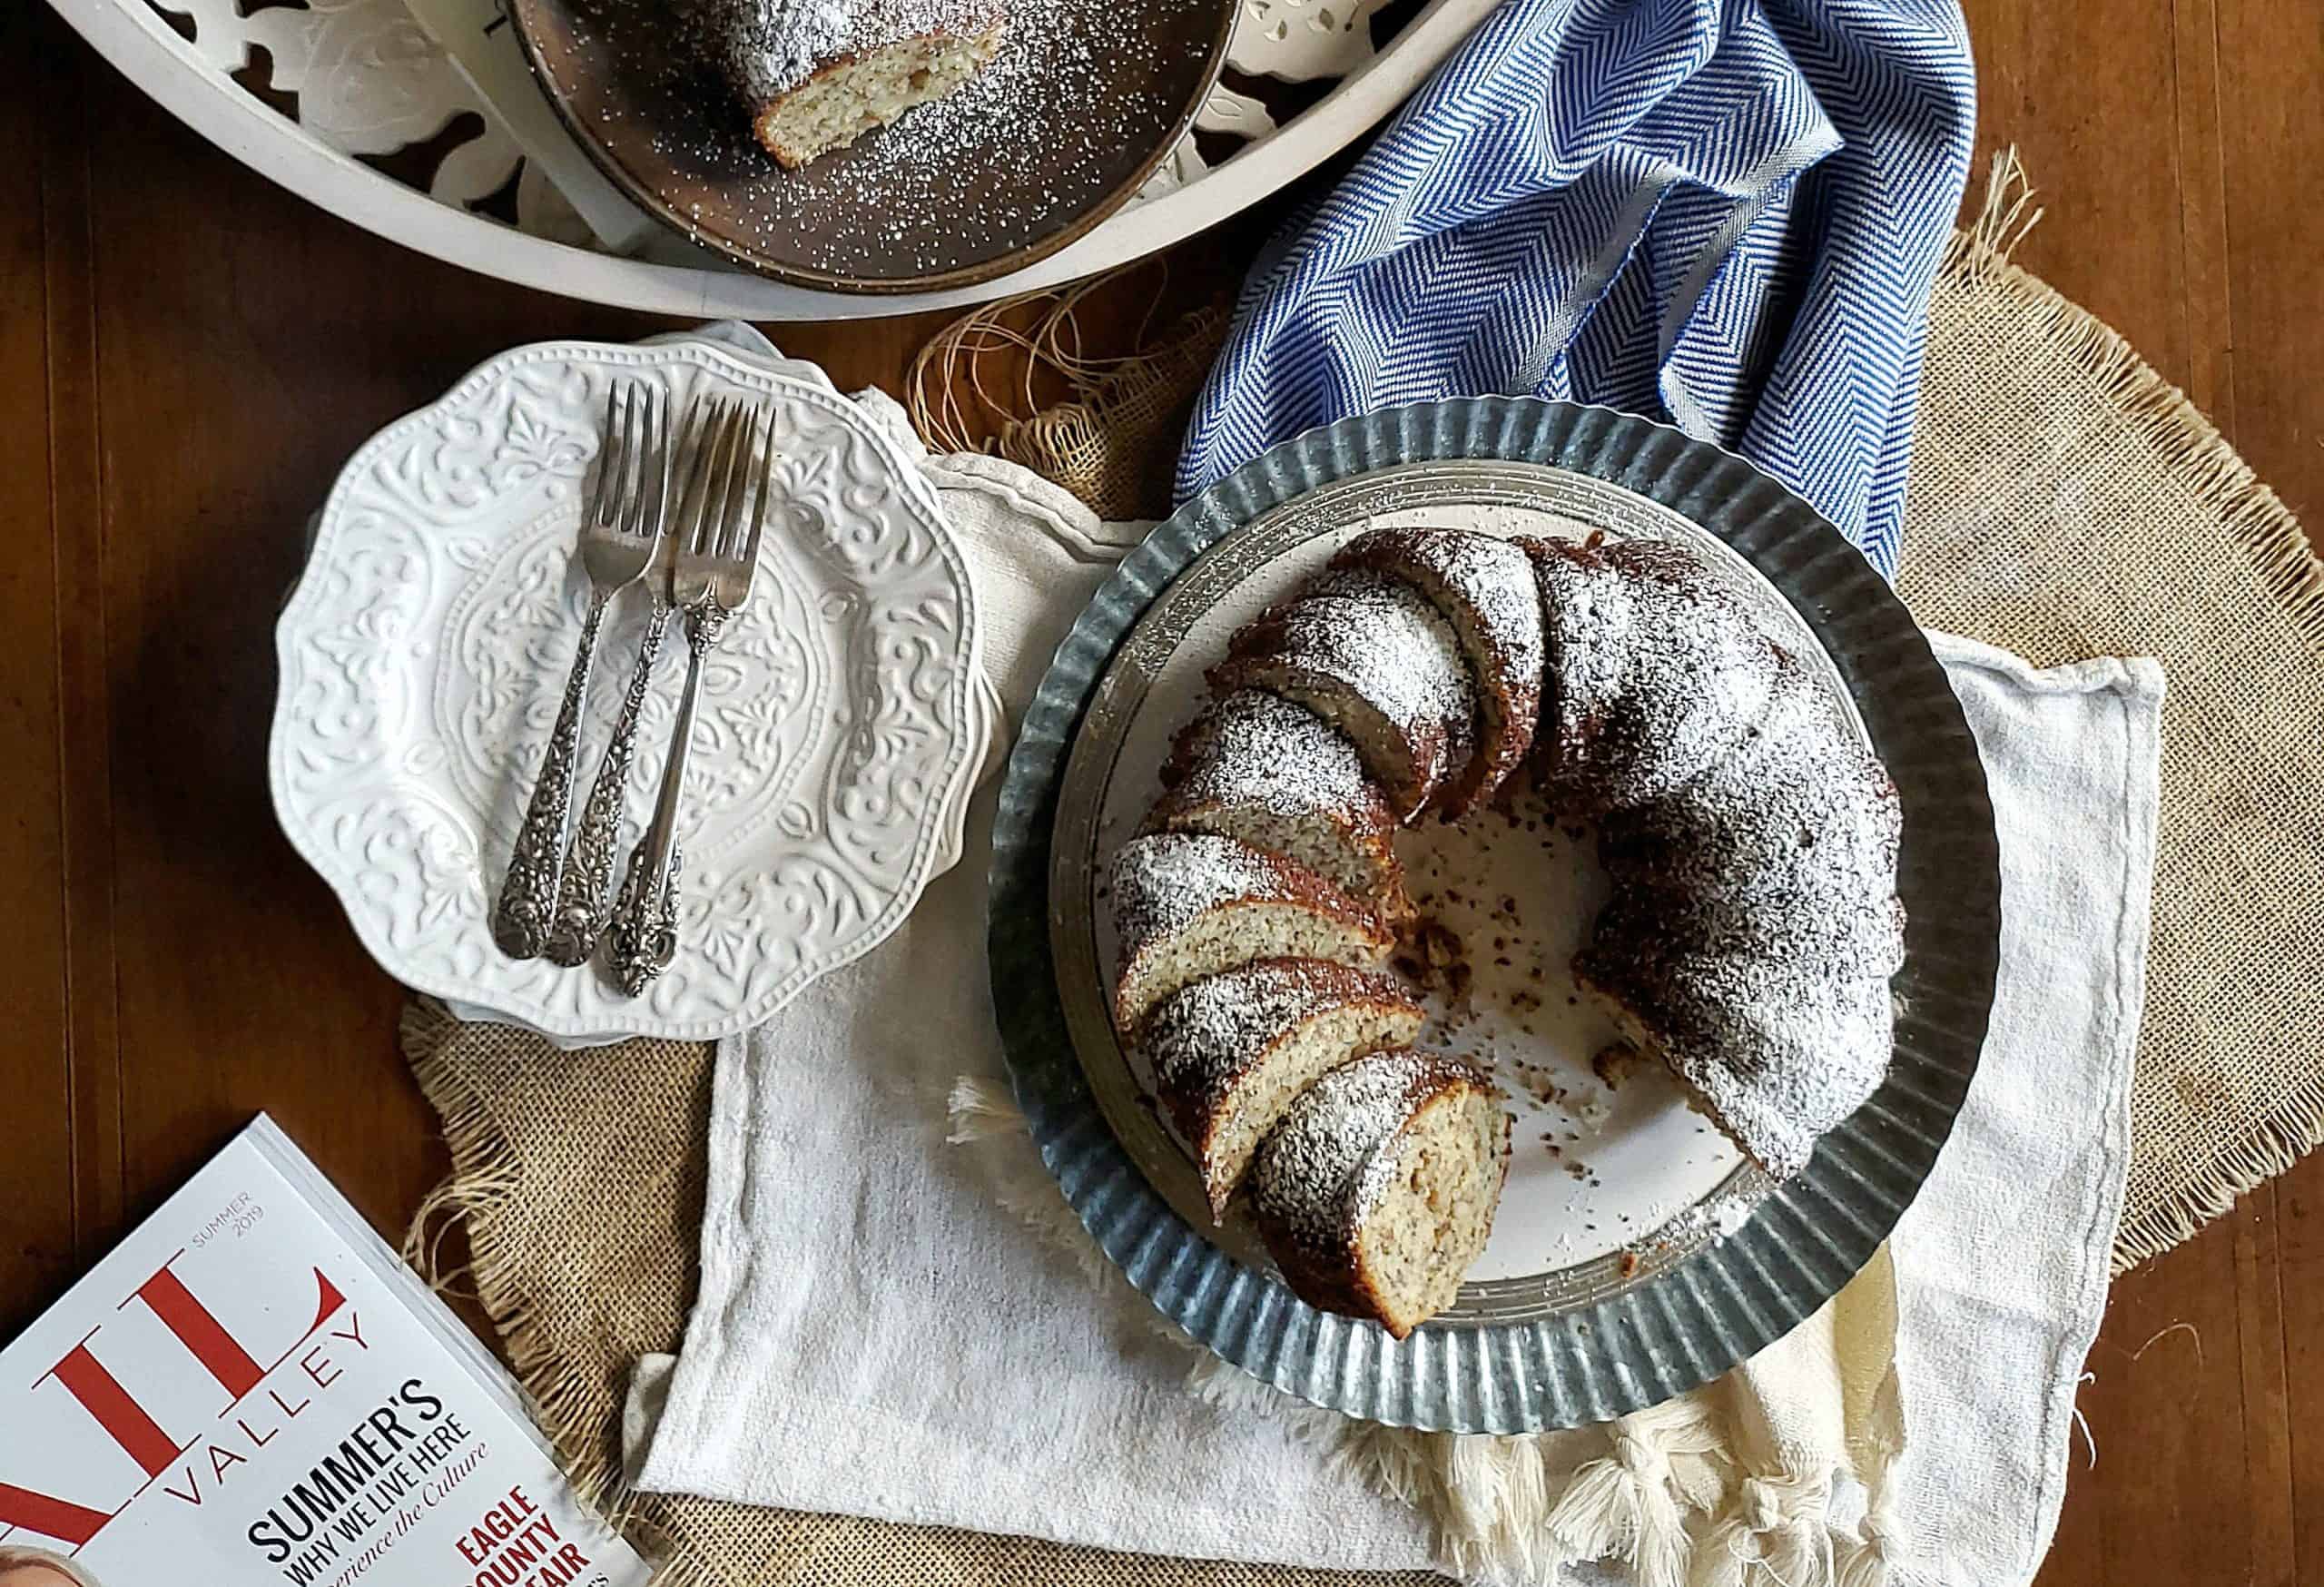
column 767, row 46
column 1253, row 748
column 1657, row 673
column 1483, row 572
column 1322, row 1170
column 1163, row 881
column 1371, row 636
column 1483, row 586
column 1167, row 879
column 1203, row 1035
column 1781, row 1050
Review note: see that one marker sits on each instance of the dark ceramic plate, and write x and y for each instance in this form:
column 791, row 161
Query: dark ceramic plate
column 1561, row 1349
column 1087, row 99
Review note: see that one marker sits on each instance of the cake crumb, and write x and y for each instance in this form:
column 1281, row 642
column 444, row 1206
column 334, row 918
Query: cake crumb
column 1614, row 1064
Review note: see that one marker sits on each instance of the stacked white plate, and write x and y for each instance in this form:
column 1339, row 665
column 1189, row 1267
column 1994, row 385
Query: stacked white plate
column 843, row 718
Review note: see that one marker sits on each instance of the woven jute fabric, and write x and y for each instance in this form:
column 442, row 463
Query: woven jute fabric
column 2065, row 502
column 577, row 1179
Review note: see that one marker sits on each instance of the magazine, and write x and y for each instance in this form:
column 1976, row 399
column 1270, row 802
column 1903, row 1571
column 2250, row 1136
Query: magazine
column 252, row 1389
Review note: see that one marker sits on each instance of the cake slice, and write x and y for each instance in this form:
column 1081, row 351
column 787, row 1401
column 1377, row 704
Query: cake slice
column 1375, row 660
column 1190, row 904
column 1275, row 775
column 817, row 74
column 1376, row 1192
column 1231, row 1052
column 1483, row 586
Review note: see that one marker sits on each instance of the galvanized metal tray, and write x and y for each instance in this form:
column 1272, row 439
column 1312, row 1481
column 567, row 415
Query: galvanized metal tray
column 1544, row 1336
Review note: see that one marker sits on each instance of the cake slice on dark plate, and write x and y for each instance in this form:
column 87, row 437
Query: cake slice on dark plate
column 817, row 74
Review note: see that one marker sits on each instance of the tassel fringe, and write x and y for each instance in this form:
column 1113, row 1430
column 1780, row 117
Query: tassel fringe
column 1506, row 1510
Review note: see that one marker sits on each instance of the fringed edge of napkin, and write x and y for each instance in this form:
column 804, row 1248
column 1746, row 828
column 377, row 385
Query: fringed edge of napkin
column 1668, row 1495
column 2282, row 559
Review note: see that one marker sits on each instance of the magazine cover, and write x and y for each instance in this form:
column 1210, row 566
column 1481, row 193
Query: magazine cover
column 252, row 1389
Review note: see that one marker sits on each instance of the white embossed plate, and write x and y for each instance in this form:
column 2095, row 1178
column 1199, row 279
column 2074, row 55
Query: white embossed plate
column 843, row 714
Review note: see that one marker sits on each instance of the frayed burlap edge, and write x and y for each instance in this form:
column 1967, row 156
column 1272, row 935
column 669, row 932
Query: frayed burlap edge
column 2160, row 413
column 484, row 1175
column 2257, row 520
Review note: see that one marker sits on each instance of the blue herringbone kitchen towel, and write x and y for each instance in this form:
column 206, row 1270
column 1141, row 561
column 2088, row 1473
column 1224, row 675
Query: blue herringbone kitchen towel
column 1728, row 215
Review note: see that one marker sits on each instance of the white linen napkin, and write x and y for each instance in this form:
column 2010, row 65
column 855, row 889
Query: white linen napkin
column 881, row 1330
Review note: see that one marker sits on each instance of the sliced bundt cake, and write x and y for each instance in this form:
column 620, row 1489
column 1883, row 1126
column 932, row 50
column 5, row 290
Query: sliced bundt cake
column 1276, row 776
column 1191, row 904
column 1376, row 661
column 1750, row 841
column 1231, row 1052
column 1481, row 585
column 1656, row 672
column 1377, row 1191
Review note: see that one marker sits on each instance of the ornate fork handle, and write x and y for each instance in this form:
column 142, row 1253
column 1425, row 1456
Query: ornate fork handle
column 520, row 926
column 585, row 899
column 643, row 936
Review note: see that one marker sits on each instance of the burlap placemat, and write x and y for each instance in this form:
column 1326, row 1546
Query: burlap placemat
column 2065, row 502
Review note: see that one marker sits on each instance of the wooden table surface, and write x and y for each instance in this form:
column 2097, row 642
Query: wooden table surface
column 187, row 352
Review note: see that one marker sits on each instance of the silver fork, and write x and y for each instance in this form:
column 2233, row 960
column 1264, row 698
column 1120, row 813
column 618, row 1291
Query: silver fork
column 721, row 513
column 585, row 899
column 618, row 530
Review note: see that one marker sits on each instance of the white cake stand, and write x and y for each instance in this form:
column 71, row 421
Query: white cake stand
column 370, row 81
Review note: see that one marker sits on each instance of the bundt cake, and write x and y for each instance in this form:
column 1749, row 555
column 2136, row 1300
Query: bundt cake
column 1750, row 844
column 1778, row 1049
column 1191, row 904
column 1376, row 1192
column 1231, row 1051
column 1276, row 776
column 1481, row 585
column 1374, row 659
column 1655, row 672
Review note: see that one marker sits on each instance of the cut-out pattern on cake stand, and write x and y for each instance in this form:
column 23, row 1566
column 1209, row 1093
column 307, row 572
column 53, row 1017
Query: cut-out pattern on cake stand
column 354, row 105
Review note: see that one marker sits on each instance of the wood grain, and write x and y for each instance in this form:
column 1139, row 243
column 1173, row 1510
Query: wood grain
column 186, row 353
column 37, row 1179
